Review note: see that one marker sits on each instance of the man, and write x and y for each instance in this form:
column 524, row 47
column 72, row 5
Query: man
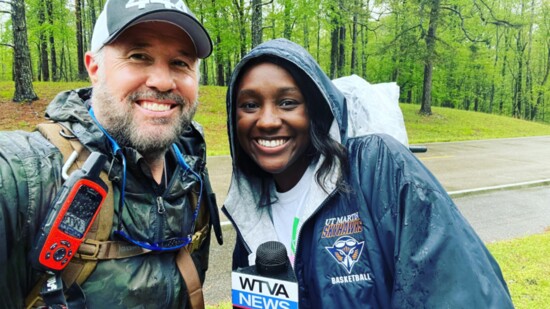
column 143, row 66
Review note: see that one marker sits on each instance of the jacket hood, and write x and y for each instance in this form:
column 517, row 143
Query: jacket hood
column 241, row 205
column 70, row 108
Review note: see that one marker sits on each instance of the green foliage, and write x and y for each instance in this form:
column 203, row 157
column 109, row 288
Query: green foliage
column 490, row 56
column 63, row 30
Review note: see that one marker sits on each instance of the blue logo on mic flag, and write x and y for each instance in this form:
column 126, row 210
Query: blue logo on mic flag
column 256, row 292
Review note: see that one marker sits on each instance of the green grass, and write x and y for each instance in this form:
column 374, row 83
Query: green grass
column 222, row 305
column 42, row 89
column 525, row 262
column 447, row 125
column 526, row 267
column 212, row 116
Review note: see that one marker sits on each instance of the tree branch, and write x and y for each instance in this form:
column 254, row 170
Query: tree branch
column 495, row 21
column 7, row 45
column 390, row 44
column 462, row 26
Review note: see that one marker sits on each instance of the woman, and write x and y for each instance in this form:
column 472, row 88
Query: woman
column 365, row 224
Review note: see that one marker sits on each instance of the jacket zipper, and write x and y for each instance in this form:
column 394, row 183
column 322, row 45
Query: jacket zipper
column 160, row 205
column 160, row 210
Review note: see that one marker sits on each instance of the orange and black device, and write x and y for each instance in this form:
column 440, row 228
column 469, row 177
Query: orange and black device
column 70, row 216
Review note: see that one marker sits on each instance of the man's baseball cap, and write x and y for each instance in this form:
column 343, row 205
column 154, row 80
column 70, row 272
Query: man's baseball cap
column 118, row 15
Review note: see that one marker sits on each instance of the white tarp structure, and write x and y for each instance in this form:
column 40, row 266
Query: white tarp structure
column 373, row 108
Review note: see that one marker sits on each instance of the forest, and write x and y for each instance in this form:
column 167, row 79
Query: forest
column 489, row 56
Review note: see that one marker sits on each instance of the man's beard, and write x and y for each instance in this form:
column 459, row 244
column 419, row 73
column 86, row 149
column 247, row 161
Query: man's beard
column 118, row 120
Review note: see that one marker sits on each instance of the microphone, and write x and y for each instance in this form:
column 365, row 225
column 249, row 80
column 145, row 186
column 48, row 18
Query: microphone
column 270, row 283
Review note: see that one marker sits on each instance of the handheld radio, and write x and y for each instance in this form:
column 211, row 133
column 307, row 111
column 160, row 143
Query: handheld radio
column 70, row 216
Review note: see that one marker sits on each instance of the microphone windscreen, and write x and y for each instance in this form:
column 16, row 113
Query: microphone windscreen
column 271, row 259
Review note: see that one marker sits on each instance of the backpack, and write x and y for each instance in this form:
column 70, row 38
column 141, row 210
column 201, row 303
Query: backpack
column 96, row 245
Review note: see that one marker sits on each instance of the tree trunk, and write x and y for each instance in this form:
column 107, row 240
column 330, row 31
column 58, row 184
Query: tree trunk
column 256, row 23
column 44, row 63
column 338, row 40
column 92, row 9
column 63, row 65
column 364, row 42
column 306, row 32
column 53, row 56
column 546, row 70
column 354, row 31
column 364, row 58
column 530, row 111
column 24, row 91
column 80, row 41
column 239, row 8
column 287, row 31
column 220, row 73
column 342, row 50
column 426, row 107
column 318, row 42
column 334, row 52
column 518, row 86
column 335, row 14
column 503, row 71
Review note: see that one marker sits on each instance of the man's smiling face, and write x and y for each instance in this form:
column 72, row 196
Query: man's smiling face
column 146, row 86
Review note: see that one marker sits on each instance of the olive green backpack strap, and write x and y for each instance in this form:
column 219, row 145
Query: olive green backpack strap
column 185, row 263
column 78, row 269
column 190, row 275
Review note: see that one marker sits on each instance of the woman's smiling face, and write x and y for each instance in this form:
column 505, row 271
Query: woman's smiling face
column 273, row 123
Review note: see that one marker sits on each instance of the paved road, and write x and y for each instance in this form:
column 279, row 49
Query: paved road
column 481, row 164
column 501, row 186
column 507, row 214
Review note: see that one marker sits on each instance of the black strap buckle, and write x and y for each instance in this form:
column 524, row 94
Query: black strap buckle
column 52, row 293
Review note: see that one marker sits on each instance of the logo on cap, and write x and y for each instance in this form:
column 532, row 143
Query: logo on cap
column 141, row 4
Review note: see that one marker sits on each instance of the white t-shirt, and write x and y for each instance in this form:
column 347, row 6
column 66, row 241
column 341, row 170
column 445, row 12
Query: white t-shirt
column 287, row 209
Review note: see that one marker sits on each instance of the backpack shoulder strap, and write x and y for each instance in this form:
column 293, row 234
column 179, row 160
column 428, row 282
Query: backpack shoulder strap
column 72, row 150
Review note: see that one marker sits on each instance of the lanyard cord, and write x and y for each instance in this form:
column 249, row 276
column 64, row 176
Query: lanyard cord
column 116, row 151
